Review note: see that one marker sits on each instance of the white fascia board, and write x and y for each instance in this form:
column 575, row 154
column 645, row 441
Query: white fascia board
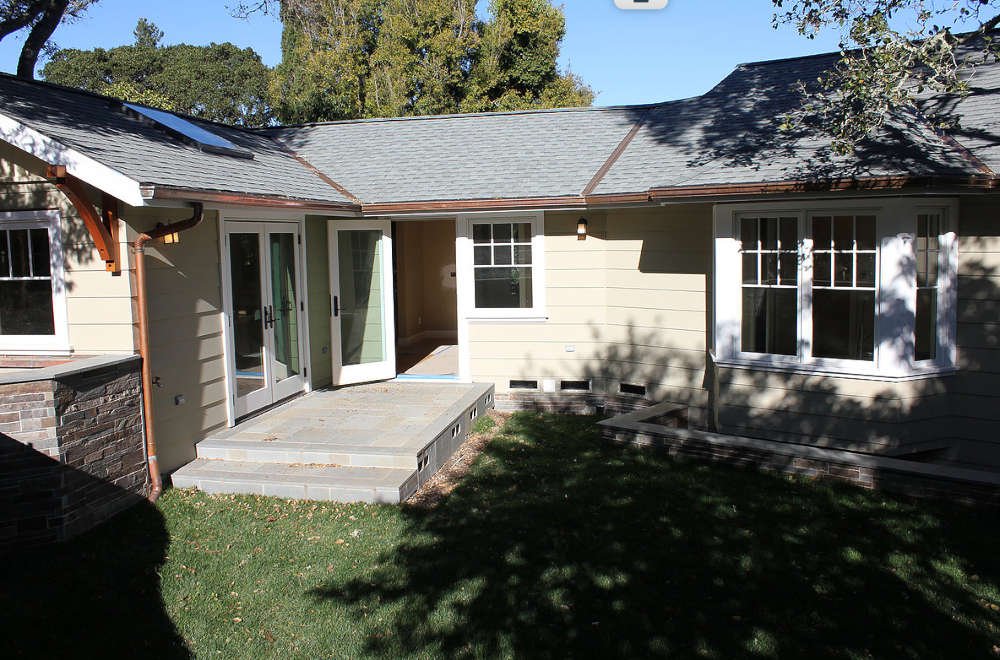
column 82, row 167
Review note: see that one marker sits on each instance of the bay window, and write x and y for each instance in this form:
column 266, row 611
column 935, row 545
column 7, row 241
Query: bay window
column 829, row 287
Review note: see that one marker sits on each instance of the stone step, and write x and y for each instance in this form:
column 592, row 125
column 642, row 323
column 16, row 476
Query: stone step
column 311, row 482
column 323, row 453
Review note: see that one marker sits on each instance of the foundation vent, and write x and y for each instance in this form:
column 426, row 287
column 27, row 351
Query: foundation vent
column 631, row 389
column 524, row 384
column 574, row 385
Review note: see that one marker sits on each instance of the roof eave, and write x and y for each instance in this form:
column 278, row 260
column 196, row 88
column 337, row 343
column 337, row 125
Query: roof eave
column 568, row 202
column 172, row 193
column 78, row 165
column 866, row 184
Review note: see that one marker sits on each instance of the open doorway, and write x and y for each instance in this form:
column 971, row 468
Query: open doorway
column 426, row 299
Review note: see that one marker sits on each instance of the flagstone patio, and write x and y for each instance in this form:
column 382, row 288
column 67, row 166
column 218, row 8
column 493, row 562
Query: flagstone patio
column 374, row 443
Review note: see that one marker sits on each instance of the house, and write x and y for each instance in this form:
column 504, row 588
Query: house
column 689, row 252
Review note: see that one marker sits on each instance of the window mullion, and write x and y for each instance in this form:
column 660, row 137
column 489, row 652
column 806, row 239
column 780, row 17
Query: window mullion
column 805, row 289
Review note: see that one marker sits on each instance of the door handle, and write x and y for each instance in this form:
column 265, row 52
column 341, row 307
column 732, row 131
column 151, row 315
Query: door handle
column 336, row 306
column 268, row 317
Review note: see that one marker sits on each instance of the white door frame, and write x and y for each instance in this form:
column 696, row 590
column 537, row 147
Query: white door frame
column 261, row 219
column 385, row 369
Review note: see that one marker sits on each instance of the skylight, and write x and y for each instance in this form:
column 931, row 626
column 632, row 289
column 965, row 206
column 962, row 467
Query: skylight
column 204, row 139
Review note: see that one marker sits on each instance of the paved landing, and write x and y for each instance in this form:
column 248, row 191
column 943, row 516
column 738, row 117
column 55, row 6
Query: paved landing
column 376, row 442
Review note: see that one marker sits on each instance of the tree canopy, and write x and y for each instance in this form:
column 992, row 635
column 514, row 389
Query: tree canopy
column 885, row 69
column 40, row 18
column 219, row 82
column 375, row 58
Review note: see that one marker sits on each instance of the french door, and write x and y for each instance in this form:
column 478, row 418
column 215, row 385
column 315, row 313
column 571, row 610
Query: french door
column 265, row 312
column 362, row 324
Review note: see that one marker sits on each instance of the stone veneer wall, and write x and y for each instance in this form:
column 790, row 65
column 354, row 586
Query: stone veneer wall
column 72, row 450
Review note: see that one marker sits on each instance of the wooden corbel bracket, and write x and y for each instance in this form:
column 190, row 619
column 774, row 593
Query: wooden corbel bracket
column 102, row 225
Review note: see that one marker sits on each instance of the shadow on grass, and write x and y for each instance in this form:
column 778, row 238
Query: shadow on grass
column 96, row 596
column 559, row 545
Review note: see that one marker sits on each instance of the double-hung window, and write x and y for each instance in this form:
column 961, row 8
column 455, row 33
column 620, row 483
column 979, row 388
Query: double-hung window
column 843, row 286
column 32, row 307
column 862, row 291
column 769, row 255
column 504, row 267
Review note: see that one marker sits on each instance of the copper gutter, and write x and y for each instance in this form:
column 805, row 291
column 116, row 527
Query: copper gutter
column 216, row 197
column 156, row 481
column 499, row 204
column 886, row 183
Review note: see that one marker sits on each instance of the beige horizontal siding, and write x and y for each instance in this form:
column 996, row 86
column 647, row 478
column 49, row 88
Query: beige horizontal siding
column 187, row 353
column 630, row 301
column 98, row 313
column 975, row 389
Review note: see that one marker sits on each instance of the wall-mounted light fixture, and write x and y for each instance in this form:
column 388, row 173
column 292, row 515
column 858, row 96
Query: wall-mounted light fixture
column 581, row 229
column 170, row 239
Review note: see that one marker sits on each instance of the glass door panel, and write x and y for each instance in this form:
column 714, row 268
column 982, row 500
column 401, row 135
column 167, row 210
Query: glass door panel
column 362, row 331
column 286, row 317
column 247, row 305
column 265, row 313
column 362, row 301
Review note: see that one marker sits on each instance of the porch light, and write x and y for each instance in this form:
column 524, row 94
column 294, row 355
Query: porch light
column 581, row 229
column 171, row 238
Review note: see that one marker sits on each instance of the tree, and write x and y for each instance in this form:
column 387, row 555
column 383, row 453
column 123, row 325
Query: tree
column 516, row 66
column 41, row 18
column 219, row 82
column 884, row 70
column 366, row 58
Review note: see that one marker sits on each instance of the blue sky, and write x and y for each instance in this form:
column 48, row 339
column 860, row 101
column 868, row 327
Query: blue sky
column 626, row 56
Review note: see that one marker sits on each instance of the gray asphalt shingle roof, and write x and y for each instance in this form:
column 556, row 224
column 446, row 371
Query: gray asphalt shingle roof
column 99, row 128
column 978, row 113
column 730, row 135
column 733, row 134
column 512, row 155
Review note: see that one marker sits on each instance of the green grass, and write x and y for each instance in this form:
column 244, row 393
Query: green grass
column 555, row 545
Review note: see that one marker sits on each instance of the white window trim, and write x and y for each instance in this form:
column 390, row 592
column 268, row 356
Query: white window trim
column 896, row 224
column 466, row 282
column 58, row 343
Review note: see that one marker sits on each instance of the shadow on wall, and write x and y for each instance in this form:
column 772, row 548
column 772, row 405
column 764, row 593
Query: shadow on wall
column 23, row 190
column 109, row 604
column 922, row 418
column 558, row 545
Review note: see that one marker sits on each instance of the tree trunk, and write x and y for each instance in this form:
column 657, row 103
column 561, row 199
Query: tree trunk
column 20, row 21
column 39, row 35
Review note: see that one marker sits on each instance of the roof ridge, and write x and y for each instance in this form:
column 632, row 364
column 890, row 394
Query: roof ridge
column 834, row 53
column 468, row 115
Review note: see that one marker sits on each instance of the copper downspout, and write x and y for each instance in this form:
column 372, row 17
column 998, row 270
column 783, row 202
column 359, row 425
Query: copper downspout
column 156, row 481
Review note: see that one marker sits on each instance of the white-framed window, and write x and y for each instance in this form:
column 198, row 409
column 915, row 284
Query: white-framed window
column 863, row 288
column 32, row 288
column 501, row 260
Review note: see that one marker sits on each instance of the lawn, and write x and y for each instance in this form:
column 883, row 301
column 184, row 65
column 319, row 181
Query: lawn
column 555, row 545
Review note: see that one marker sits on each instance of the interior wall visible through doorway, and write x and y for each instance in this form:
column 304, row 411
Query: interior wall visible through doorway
column 426, row 295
